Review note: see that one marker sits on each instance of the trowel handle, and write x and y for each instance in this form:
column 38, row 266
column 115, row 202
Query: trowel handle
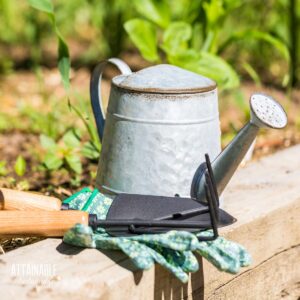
column 95, row 90
column 17, row 200
column 42, row 223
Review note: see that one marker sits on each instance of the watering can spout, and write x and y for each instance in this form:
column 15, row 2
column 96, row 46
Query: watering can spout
column 265, row 112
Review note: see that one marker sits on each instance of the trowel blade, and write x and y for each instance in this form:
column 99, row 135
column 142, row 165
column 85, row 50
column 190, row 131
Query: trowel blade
column 130, row 207
column 225, row 218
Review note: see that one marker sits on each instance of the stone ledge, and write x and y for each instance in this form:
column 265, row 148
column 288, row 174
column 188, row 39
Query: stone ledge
column 257, row 282
column 264, row 196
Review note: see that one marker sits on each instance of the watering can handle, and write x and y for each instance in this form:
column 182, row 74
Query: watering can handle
column 95, row 90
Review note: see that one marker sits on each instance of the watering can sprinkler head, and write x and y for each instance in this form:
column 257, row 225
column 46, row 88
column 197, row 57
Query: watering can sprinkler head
column 265, row 113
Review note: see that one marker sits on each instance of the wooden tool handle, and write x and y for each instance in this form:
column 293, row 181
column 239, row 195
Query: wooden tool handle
column 17, row 200
column 42, row 223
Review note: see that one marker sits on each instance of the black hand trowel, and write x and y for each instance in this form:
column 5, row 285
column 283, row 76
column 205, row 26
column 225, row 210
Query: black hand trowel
column 132, row 214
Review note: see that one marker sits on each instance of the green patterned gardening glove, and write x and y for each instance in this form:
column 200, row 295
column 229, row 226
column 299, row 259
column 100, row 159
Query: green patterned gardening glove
column 173, row 250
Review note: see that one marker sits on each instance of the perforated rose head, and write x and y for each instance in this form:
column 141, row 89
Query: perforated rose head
column 266, row 112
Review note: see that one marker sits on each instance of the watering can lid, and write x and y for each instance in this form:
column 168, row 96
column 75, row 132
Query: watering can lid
column 165, row 79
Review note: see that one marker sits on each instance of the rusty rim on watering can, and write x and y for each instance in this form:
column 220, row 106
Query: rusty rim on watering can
column 166, row 91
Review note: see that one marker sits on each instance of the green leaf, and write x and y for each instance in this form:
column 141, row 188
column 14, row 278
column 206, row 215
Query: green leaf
column 42, row 5
column 186, row 10
column 47, row 142
column 92, row 130
column 73, row 161
column 20, row 166
column 197, row 36
column 214, row 11
column 208, row 65
column 64, row 69
column 52, row 161
column 217, row 68
column 184, row 59
column 257, row 35
column 252, row 73
column 64, row 64
column 230, row 5
column 71, row 139
column 143, row 35
column 157, row 11
column 176, row 36
column 75, row 181
column 63, row 50
column 3, row 170
column 90, row 151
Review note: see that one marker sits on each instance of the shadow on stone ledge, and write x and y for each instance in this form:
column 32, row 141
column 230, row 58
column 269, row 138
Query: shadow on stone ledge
column 117, row 256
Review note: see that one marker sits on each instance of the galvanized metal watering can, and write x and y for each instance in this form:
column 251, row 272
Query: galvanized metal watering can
column 160, row 122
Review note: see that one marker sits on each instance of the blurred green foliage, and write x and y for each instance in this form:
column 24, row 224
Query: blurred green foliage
column 197, row 38
column 227, row 40
column 94, row 28
column 218, row 38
